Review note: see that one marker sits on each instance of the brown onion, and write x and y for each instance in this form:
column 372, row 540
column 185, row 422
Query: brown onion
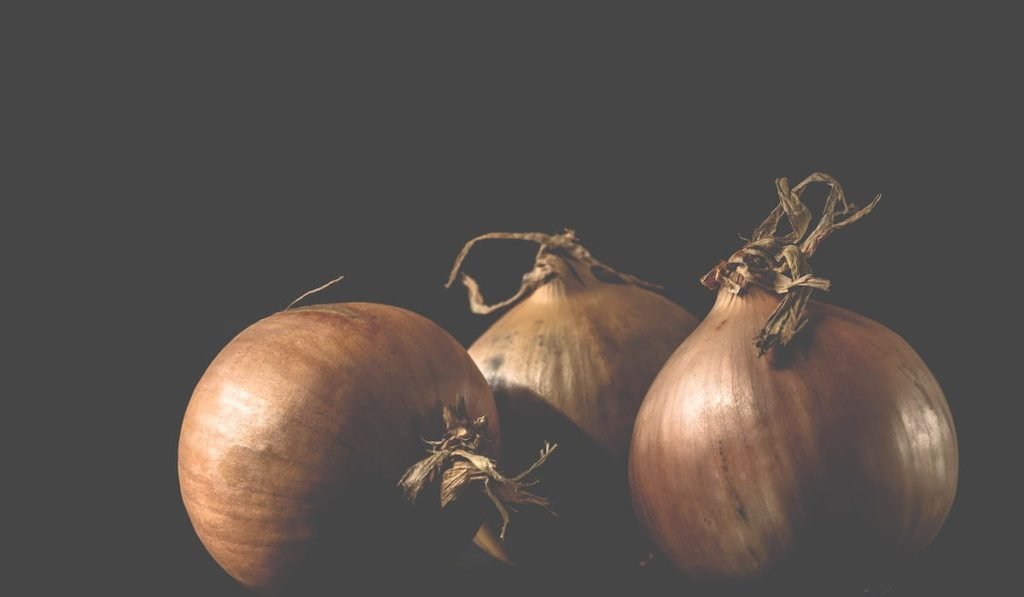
column 570, row 363
column 836, row 454
column 296, row 435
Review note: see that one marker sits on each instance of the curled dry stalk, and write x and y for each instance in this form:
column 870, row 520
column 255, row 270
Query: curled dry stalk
column 780, row 262
column 456, row 458
column 564, row 245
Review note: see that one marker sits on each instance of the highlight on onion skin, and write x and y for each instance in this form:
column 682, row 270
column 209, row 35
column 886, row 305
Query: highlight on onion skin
column 296, row 435
column 570, row 364
column 830, row 454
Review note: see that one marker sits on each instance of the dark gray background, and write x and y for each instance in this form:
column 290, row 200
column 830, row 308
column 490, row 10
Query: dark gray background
column 188, row 173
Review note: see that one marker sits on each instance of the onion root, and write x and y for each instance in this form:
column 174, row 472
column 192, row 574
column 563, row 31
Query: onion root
column 457, row 460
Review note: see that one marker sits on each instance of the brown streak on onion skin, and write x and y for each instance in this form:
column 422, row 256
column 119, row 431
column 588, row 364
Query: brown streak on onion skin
column 842, row 456
column 296, row 435
column 570, row 364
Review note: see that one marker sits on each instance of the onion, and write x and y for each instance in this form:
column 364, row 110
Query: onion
column 570, row 363
column 836, row 455
column 295, row 436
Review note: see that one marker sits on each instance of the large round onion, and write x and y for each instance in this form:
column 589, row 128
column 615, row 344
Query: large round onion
column 570, row 363
column 297, row 434
column 833, row 453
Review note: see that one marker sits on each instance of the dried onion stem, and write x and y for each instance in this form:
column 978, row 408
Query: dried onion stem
column 780, row 262
column 457, row 460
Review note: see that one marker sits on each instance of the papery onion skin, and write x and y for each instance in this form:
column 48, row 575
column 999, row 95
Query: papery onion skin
column 839, row 458
column 570, row 364
column 296, row 435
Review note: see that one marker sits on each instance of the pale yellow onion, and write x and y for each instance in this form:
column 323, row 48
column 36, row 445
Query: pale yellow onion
column 570, row 364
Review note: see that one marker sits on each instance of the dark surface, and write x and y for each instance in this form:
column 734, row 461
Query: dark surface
column 182, row 175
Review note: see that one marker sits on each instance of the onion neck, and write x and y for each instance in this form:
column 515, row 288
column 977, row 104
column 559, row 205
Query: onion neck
column 727, row 300
column 567, row 276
